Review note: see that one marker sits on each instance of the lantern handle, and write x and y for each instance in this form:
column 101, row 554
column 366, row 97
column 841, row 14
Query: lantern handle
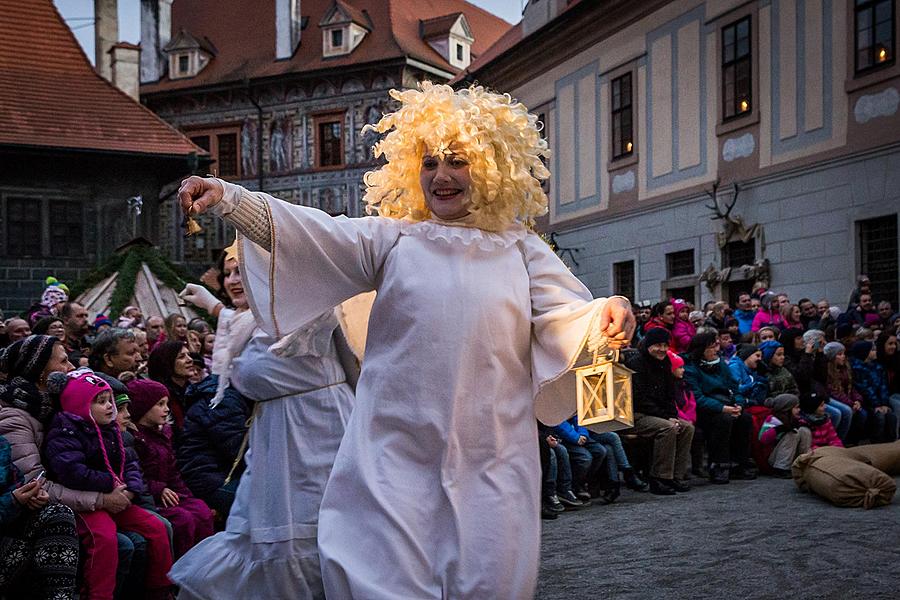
column 600, row 349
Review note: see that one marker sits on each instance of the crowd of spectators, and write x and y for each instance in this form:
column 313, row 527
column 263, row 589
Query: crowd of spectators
column 726, row 392
column 112, row 463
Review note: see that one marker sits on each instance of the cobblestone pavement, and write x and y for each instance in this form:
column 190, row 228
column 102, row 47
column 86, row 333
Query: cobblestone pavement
column 747, row 539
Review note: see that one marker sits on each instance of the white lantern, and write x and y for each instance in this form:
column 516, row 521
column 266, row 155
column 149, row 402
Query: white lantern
column 604, row 393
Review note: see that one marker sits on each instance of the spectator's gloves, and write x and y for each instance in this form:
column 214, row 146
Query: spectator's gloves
column 199, row 296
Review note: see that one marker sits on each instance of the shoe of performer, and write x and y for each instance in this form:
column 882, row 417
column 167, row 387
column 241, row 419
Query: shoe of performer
column 719, row 474
column 679, row 485
column 553, row 504
column 634, row 482
column 661, row 487
column 570, row 501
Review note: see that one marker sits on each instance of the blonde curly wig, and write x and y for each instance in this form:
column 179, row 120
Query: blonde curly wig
column 496, row 135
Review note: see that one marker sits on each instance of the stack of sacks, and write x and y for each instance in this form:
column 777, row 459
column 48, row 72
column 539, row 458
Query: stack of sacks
column 858, row 476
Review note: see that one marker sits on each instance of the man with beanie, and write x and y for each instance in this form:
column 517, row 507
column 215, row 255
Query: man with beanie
column 656, row 413
column 783, row 434
column 870, row 380
column 744, row 368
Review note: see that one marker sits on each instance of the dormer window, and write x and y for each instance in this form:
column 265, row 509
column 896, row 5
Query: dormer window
column 187, row 55
column 451, row 37
column 343, row 29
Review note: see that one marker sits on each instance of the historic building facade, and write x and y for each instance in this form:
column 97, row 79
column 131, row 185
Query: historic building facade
column 278, row 92
column 702, row 147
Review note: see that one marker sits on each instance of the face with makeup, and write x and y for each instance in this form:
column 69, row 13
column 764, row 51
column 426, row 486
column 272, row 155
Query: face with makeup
column 446, row 183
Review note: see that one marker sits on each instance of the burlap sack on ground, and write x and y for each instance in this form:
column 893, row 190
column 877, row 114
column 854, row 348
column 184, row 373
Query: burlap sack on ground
column 884, row 457
column 842, row 480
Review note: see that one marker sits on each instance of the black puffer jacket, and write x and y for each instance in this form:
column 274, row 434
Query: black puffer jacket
column 652, row 385
column 211, row 437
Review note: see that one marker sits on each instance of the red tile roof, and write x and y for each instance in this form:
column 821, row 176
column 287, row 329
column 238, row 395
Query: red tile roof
column 244, row 35
column 51, row 96
column 437, row 25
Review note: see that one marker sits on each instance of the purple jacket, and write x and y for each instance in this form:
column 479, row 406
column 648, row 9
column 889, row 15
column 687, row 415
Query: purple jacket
column 154, row 448
column 75, row 459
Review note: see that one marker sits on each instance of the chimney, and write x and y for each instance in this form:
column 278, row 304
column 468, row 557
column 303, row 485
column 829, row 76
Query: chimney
column 287, row 27
column 156, row 31
column 106, row 33
column 126, row 67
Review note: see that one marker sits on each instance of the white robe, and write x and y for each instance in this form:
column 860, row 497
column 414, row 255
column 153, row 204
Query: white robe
column 435, row 489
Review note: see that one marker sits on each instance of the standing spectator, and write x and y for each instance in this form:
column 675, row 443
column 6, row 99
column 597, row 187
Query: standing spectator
column 191, row 518
column 38, row 544
column 662, row 316
column 17, row 329
column 744, row 314
column 199, row 325
column 823, row 316
column 130, row 318
column 176, row 328
column 156, row 332
column 766, row 334
column 870, row 380
column 791, row 315
column 812, row 416
column 839, row 385
column 864, row 314
column 726, row 428
column 54, row 296
column 140, row 338
column 208, row 454
column 642, row 316
column 656, row 413
column 768, row 314
column 808, row 312
column 114, row 351
column 889, row 359
column 884, row 315
column 784, row 435
column 717, row 315
column 863, row 286
column 744, row 369
column 171, row 365
column 75, row 319
column 755, row 305
column 51, row 326
column 682, row 328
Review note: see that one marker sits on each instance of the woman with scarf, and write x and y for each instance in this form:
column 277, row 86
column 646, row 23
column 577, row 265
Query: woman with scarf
column 301, row 399
column 726, row 427
column 37, row 525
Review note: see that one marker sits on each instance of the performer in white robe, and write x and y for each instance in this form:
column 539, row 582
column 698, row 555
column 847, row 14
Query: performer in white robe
column 475, row 327
column 268, row 550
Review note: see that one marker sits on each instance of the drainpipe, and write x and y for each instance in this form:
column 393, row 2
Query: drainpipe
column 259, row 129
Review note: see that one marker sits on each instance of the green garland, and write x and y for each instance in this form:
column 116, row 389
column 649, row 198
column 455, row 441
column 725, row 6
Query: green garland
column 128, row 266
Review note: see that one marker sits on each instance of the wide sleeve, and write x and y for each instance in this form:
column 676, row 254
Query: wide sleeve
column 562, row 312
column 316, row 261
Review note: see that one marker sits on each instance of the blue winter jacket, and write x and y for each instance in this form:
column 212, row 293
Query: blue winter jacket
column 744, row 319
column 870, row 380
column 569, row 431
column 10, row 479
column 752, row 386
column 211, row 437
column 713, row 386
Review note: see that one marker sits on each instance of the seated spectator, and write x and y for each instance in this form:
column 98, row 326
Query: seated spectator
column 191, row 519
column 726, row 428
column 744, row 313
column 586, row 455
column 808, row 312
column 812, row 416
column 870, row 380
column 845, row 333
column 826, row 316
column 209, row 342
column 208, row 454
column 727, row 347
column 717, row 315
column 616, row 462
column 768, row 314
column 755, row 304
column 114, row 351
column 140, row 338
column 839, row 385
column 783, row 434
column 39, row 545
column 544, row 452
column 199, row 325
column 54, row 296
column 863, row 315
column 698, row 319
column 50, row 326
column 656, row 413
column 790, row 314
column 556, row 490
column 662, row 316
column 889, row 359
column 766, row 334
column 85, row 451
column 176, row 328
column 171, row 364
column 682, row 328
column 779, row 378
column 752, row 385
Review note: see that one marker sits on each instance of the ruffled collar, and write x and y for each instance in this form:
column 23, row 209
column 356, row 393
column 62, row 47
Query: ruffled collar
column 464, row 234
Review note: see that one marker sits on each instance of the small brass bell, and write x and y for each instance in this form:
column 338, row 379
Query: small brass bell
column 604, row 392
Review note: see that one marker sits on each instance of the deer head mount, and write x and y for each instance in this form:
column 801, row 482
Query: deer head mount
column 730, row 225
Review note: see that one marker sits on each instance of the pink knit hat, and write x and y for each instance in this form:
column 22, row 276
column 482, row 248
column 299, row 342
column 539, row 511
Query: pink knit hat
column 677, row 361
